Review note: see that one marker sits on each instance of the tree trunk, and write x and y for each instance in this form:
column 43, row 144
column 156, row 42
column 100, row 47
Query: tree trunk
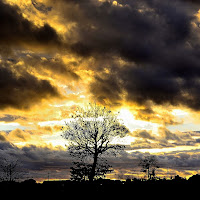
column 92, row 174
column 148, row 173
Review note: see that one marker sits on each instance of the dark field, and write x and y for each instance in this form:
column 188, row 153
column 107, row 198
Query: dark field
column 175, row 188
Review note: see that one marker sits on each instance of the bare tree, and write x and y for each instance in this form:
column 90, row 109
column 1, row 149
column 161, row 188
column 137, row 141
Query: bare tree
column 10, row 170
column 90, row 133
column 149, row 165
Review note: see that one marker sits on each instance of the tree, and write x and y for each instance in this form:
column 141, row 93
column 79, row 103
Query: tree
column 89, row 135
column 81, row 171
column 10, row 170
column 149, row 164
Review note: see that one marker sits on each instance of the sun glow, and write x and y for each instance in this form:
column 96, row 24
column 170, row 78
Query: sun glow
column 133, row 124
column 178, row 112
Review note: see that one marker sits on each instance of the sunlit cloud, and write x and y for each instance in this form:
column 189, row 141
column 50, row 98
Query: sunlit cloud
column 133, row 124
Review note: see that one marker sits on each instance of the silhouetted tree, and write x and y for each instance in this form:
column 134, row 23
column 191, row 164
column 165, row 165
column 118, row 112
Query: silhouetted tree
column 81, row 171
column 90, row 133
column 10, row 170
column 149, row 164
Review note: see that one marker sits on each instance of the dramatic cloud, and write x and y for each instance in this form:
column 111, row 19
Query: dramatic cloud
column 38, row 161
column 149, row 49
column 20, row 89
column 164, row 139
column 51, row 67
column 18, row 31
column 140, row 57
column 157, row 40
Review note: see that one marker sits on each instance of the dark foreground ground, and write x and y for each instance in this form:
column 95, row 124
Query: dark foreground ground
column 132, row 189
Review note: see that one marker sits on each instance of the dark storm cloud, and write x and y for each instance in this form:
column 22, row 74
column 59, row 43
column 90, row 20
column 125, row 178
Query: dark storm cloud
column 159, row 40
column 180, row 160
column 106, row 87
column 15, row 30
column 136, row 31
column 165, row 139
column 39, row 158
column 19, row 89
column 38, row 161
column 177, row 160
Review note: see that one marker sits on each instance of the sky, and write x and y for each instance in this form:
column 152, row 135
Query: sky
column 137, row 57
